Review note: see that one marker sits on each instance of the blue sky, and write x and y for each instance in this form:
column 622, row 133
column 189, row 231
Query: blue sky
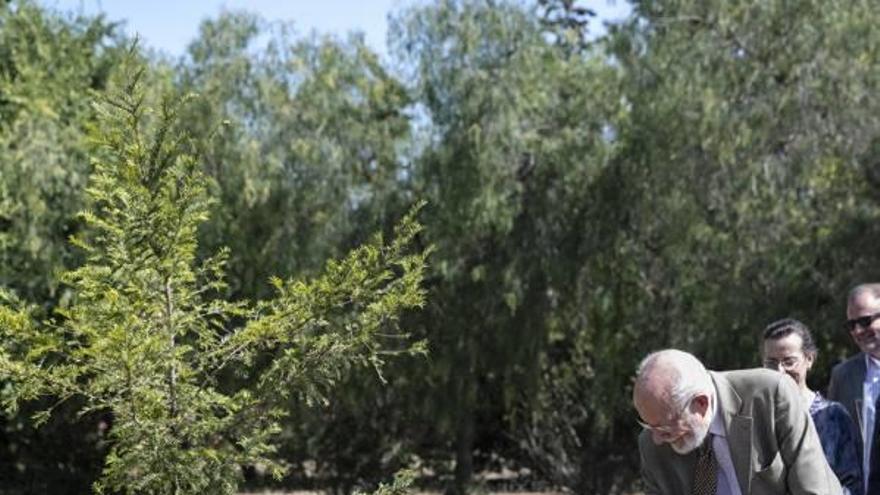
column 169, row 25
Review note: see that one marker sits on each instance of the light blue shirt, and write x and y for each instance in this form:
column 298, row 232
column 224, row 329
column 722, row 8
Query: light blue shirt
column 870, row 392
column 727, row 483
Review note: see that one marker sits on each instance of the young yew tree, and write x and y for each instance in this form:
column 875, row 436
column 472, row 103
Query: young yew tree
column 147, row 337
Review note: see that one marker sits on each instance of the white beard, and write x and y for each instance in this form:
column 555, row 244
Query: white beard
column 690, row 441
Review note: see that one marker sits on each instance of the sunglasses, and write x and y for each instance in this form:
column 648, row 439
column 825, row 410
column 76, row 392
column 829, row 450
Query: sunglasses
column 862, row 321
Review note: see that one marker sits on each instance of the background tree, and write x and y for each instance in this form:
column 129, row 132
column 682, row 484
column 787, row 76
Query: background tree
column 48, row 64
column 516, row 133
column 306, row 167
column 698, row 171
column 144, row 338
column 747, row 132
column 737, row 176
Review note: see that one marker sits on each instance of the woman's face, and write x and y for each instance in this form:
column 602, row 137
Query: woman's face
column 787, row 355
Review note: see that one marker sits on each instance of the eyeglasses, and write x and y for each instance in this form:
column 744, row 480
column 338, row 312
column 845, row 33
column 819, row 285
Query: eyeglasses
column 787, row 363
column 862, row 321
column 667, row 432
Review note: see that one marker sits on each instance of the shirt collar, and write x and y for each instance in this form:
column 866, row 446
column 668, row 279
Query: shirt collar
column 872, row 373
column 717, row 425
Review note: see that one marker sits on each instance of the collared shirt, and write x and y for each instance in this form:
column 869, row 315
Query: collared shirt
column 727, row 482
column 870, row 392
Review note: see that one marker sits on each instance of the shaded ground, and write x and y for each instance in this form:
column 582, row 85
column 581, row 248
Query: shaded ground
column 414, row 493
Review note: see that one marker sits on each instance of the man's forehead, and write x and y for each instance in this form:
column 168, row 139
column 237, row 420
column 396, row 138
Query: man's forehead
column 653, row 408
column 864, row 299
column 654, row 389
column 660, row 376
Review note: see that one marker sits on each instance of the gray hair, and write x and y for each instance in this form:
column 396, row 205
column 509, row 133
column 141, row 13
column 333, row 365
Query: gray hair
column 871, row 289
column 688, row 377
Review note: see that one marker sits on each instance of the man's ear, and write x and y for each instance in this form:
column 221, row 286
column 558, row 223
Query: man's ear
column 700, row 404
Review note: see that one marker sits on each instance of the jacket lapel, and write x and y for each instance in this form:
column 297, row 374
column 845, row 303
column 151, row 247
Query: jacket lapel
column 738, row 428
column 857, row 383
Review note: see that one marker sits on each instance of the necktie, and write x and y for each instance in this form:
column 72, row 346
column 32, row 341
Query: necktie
column 706, row 471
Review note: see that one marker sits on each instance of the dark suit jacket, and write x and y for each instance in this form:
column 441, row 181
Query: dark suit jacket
column 773, row 443
column 846, row 387
column 839, row 436
column 847, row 379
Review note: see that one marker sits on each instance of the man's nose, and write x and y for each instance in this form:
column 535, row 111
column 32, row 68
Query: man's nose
column 861, row 329
column 660, row 437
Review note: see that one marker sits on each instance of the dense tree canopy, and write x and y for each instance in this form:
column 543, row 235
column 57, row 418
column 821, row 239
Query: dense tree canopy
column 701, row 168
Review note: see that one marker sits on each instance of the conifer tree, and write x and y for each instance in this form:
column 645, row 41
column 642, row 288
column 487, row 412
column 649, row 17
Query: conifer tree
column 147, row 336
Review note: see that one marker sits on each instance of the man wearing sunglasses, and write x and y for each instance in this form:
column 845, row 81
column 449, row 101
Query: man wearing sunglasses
column 744, row 432
column 855, row 383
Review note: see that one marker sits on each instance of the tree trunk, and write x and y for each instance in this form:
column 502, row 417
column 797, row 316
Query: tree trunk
column 464, row 429
column 464, row 452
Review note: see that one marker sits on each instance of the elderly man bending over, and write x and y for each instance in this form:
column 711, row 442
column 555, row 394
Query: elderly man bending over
column 740, row 432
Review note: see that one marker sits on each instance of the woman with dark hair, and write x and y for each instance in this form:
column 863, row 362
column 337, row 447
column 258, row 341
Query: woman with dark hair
column 788, row 347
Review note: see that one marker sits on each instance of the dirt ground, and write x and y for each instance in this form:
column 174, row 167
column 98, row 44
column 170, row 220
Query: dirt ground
column 415, row 493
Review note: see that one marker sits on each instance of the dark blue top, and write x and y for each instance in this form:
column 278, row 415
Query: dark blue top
column 838, row 435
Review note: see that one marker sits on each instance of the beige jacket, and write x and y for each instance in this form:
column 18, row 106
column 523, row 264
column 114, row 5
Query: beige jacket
column 773, row 443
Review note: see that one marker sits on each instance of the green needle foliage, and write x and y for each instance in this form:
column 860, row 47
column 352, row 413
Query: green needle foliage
column 147, row 340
